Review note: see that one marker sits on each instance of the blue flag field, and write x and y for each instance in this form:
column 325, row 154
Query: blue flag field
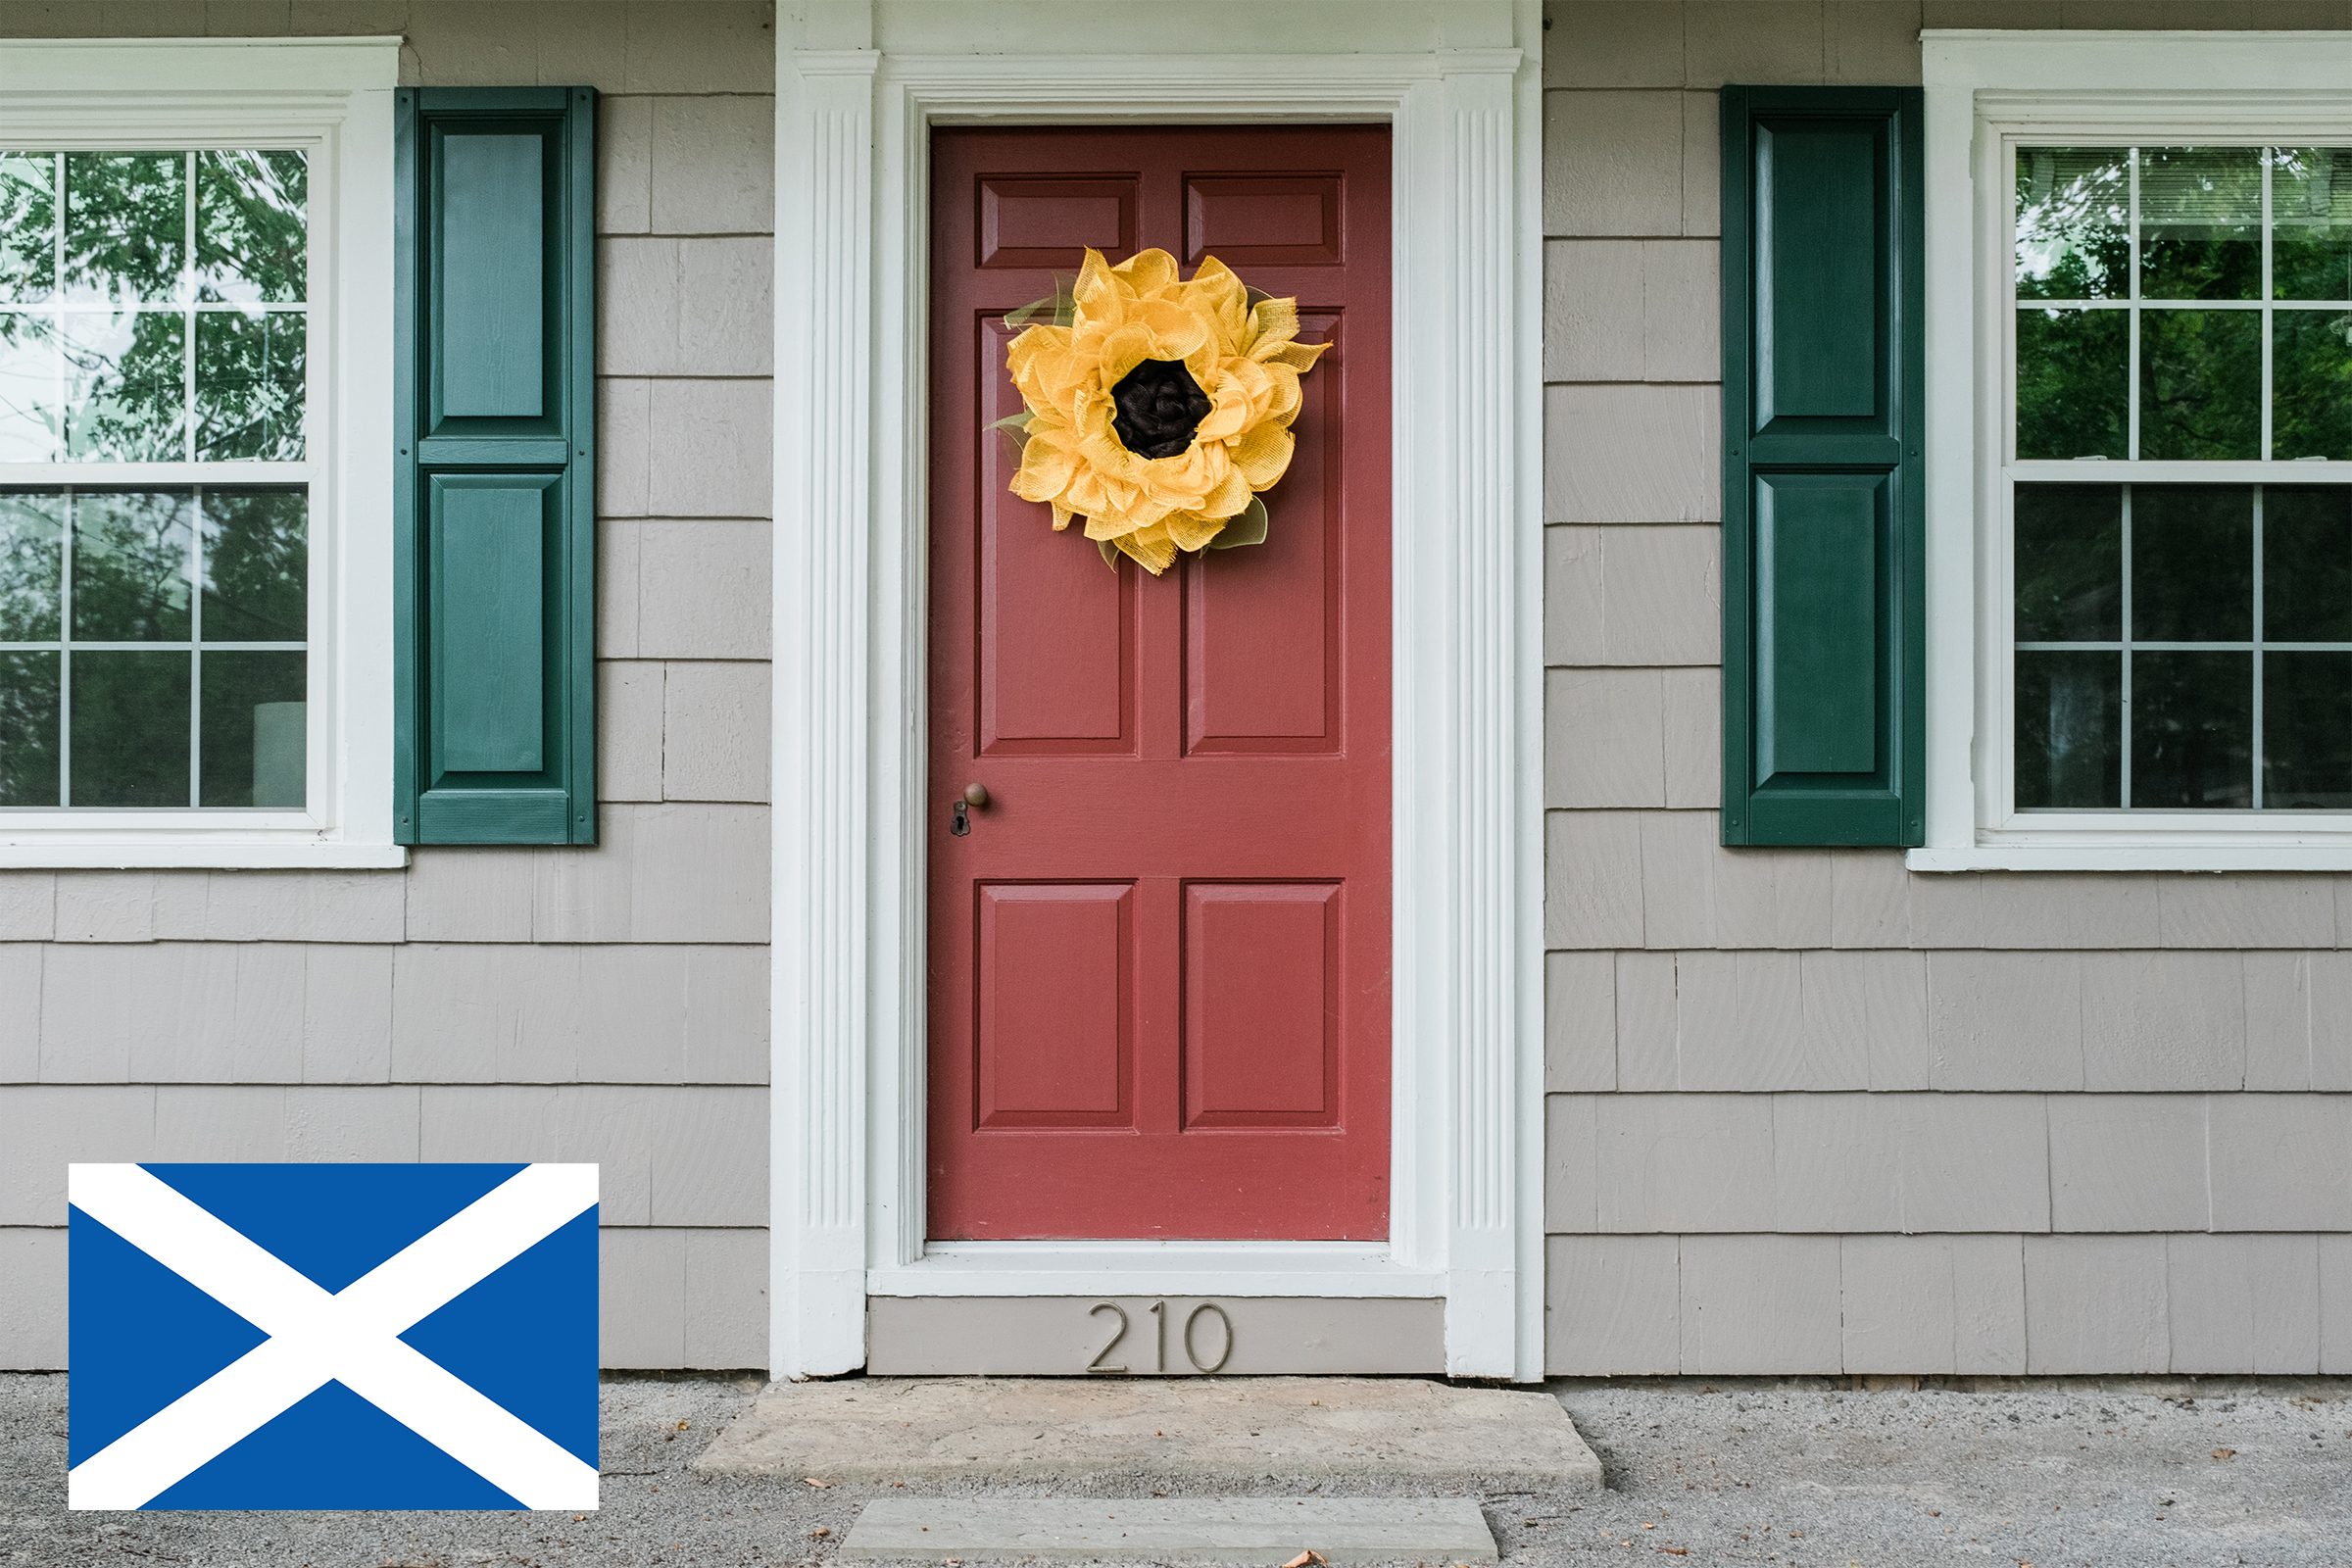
column 351, row 1337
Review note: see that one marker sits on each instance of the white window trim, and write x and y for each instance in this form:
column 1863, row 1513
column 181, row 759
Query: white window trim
column 847, row 1046
column 1986, row 90
column 333, row 97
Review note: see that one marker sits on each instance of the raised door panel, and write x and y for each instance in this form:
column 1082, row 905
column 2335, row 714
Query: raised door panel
column 1055, row 662
column 1261, row 1004
column 1055, row 1045
column 1264, row 219
column 1262, row 624
column 1048, row 221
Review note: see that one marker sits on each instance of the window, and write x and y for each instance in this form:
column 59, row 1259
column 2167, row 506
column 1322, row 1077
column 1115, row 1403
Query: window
column 151, row 636
column 2181, row 645
column 2140, row 462
column 194, row 387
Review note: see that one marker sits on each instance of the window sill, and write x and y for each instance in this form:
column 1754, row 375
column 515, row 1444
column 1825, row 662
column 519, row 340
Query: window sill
column 2335, row 854
column 60, row 852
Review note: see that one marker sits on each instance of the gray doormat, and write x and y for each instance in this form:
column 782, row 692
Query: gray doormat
column 1240, row 1433
column 1156, row 1529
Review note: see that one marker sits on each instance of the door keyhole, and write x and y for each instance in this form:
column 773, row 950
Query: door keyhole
column 959, row 820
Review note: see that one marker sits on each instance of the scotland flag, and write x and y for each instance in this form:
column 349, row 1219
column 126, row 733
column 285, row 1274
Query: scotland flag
column 331, row 1335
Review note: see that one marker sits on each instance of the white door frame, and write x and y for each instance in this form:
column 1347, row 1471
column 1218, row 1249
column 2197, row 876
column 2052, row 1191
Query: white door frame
column 1461, row 88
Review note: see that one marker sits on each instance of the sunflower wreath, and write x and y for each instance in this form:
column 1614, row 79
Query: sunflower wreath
column 1158, row 407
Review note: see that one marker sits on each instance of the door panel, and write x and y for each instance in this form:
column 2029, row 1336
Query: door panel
column 1261, row 1004
column 1262, row 665
column 1160, row 957
column 1056, row 966
column 1047, row 683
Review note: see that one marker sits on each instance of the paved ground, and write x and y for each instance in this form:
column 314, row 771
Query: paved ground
column 2113, row 1477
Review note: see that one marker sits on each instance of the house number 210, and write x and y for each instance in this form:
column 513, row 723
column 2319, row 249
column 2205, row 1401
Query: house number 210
column 1193, row 1338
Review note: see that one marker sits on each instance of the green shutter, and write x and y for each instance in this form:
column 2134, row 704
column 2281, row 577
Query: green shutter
column 495, row 534
column 1824, row 596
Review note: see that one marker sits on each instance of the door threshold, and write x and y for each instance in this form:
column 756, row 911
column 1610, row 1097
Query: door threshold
column 1154, row 1268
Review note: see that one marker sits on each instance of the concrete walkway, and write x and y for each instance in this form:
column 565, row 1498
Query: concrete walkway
column 1745, row 1474
column 1179, row 1433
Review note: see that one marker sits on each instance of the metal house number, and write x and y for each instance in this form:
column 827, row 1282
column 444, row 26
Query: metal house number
column 1193, row 1337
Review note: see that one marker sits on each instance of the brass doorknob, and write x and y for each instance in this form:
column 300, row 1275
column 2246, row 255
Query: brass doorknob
column 975, row 795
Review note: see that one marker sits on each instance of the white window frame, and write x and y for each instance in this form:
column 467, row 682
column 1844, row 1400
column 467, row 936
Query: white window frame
column 1989, row 92
column 333, row 98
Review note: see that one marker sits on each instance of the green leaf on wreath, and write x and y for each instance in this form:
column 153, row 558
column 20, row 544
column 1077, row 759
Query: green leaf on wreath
column 1247, row 527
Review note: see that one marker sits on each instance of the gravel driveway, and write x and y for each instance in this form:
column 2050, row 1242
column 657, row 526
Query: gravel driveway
column 2170, row 1475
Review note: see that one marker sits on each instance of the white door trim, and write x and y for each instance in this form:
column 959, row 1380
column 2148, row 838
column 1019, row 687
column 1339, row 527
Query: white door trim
column 1461, row 86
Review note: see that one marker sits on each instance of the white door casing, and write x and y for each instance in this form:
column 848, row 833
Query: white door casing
column 1461, row 85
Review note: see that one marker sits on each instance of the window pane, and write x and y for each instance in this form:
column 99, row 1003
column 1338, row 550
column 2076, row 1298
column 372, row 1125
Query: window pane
column 2069, row 730
column 2311, row 222
column 253, row 729
column 2073, row 379
column 2310, row 378
column 126, row 226
column 251, row 210
column 2307, row 731
column 2192, row 731
column 2200, row 222
column 2200, row 385
column 2307, row 563
column 2073, row 222
column 28, row 226
column 256, row 565
column 130, row 730
column 248, row 385
column 130, row 570
column 2070, row 563
column 28, row 729
column 33, row 532
column 2193, row 562
column 30, row 419
column 125, row 387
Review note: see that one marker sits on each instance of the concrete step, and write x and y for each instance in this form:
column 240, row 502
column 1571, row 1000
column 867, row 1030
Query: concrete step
column 1158, row 1530
column 1190, row 1434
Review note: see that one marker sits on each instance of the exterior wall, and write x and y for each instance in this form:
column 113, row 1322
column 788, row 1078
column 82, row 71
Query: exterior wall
column 606, row 1005
column 1809, row 1112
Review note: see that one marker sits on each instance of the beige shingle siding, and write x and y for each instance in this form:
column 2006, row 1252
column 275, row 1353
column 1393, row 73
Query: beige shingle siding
column 1810, row 1112
column 606, row 1005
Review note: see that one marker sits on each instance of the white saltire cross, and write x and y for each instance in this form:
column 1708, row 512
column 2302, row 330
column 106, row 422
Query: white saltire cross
column 348, row 1336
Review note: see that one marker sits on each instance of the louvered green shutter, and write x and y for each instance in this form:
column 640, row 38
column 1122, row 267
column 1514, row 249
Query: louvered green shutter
column 494, row 541
column 1823, row 653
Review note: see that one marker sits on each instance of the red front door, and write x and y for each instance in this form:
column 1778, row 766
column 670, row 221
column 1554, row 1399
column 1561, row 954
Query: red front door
column 1159, row 959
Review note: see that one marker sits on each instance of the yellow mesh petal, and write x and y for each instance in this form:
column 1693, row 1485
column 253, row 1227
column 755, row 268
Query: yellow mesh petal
column 1150, row 549
column 1049, row 463
column 1277, row 319
column 1222, row 296
column 1146, row 272
column 1095, row 281
column 1191, row 531
column 1262, row 455
column 1290, row 355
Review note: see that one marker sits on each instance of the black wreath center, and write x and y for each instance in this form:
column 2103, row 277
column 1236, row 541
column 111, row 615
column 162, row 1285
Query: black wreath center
column 1159, row 407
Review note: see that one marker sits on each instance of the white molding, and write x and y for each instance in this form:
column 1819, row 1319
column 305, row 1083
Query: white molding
column 2336, row 855
column 124, row 853
column 1985, row 92
column 1340, row 1269
column 853, row 125
column 333, row 98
